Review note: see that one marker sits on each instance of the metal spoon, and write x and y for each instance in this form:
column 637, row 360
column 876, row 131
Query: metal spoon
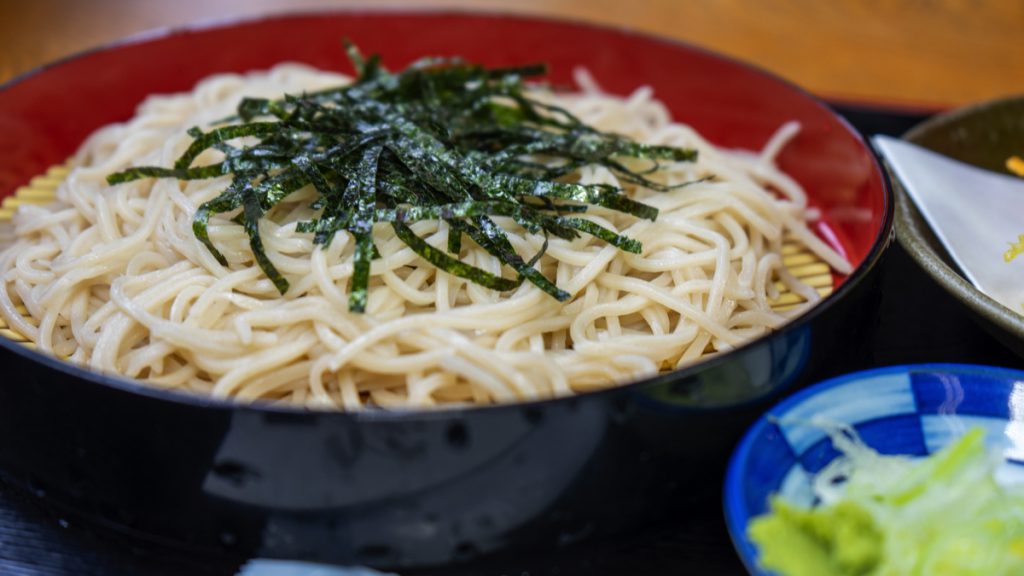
column 977, row 215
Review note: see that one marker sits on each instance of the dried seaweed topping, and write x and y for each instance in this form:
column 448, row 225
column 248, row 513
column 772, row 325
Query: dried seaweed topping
column 444, row 140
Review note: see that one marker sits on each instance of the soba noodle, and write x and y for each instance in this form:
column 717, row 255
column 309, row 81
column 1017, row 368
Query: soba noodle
column 113, row 278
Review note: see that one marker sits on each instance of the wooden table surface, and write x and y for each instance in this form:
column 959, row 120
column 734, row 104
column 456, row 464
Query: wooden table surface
column 924, row 54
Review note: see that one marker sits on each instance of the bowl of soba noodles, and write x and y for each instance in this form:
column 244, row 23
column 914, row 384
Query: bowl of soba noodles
column 408, row 288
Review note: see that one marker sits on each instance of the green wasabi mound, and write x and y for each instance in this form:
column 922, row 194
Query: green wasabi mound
column 896, row 516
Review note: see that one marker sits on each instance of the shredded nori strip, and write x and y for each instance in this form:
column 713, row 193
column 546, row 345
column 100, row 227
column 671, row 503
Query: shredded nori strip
column 443, row 140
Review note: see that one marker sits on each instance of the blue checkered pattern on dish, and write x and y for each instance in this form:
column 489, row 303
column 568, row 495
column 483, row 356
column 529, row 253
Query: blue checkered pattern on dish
column 912, row 410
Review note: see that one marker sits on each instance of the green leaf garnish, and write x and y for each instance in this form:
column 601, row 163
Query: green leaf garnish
column 443, row 140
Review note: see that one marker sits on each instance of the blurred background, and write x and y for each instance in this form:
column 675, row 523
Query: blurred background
column 920, row 55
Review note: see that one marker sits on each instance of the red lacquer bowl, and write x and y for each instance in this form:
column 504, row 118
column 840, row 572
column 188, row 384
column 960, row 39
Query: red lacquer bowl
column 413, row 488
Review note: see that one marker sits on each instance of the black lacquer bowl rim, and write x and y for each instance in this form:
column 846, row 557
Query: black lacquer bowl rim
column 881, row 241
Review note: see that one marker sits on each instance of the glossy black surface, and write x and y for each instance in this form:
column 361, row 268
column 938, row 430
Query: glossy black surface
column 904, row 319
column 394, row 489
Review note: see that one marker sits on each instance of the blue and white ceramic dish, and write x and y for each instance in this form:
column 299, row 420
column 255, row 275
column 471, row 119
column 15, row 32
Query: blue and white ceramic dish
column 913, row 410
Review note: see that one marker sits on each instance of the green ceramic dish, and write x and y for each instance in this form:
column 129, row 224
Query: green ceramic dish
column 984, row 135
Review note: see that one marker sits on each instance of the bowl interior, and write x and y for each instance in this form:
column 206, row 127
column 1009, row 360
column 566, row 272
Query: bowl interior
column 45, row 115
column 984, row 135
column 911, row 410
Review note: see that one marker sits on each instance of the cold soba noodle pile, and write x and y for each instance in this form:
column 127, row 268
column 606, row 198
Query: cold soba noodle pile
column 117, row 278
